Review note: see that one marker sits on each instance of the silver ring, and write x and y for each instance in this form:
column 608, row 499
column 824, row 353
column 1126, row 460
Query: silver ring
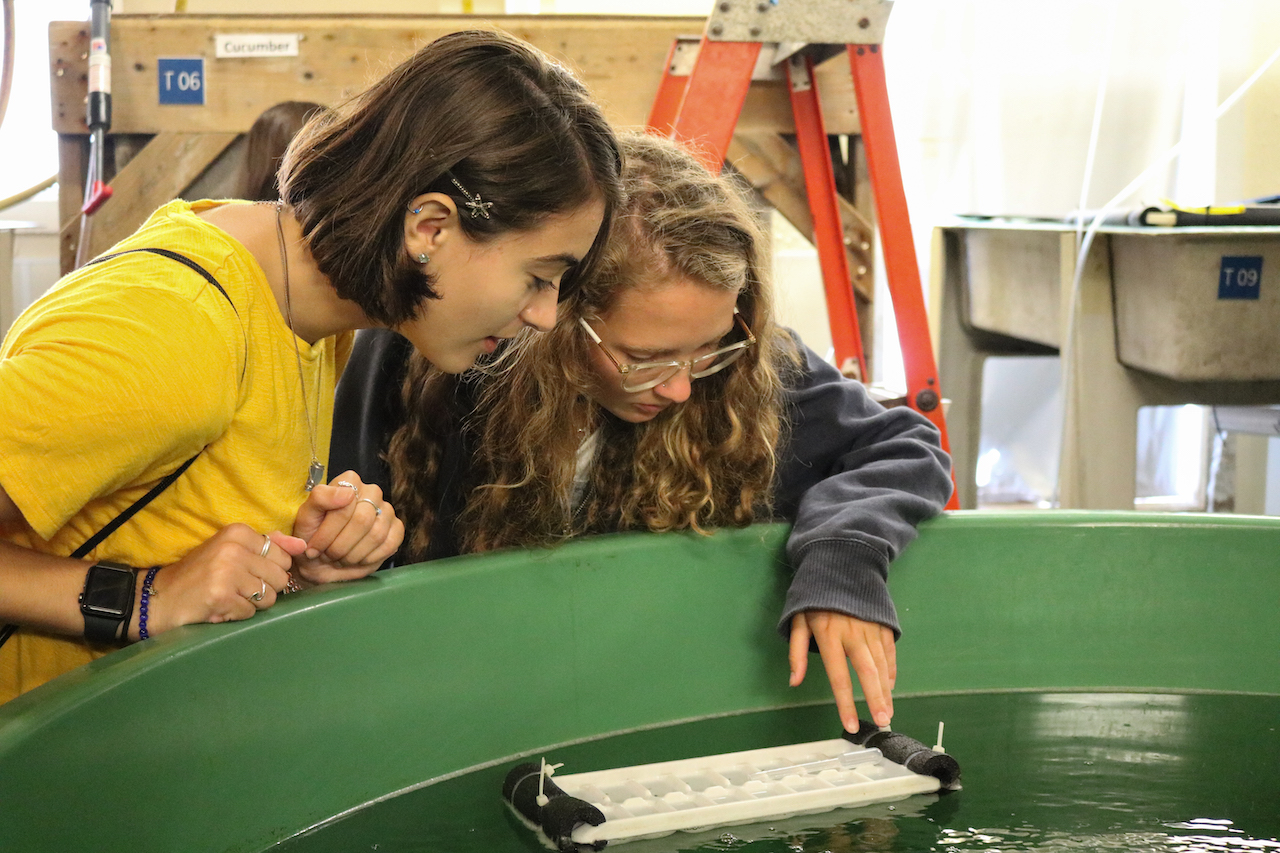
column 266, row 545
column 377, row 510
column 257, row 596
column 352, row 486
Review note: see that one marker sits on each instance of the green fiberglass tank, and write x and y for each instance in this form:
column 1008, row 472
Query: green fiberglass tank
column 242, row 736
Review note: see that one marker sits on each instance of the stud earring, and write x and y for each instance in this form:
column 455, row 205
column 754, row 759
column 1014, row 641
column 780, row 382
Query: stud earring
column 423, row 258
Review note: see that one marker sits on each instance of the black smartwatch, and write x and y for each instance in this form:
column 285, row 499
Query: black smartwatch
column 107, row 602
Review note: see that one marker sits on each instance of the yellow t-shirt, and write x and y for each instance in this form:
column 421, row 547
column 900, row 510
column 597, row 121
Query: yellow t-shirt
column 123, row 371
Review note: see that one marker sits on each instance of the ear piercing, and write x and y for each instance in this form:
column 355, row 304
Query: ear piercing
column 423, row 258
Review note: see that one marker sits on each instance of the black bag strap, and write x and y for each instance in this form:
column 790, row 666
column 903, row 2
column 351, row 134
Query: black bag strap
column 190, row 264
column 114, row 524
column 173, row 256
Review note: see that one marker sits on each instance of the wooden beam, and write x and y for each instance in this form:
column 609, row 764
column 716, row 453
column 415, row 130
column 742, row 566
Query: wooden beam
column 158, row 173
column 72, row 157
column 620, row 58
column 773, row 168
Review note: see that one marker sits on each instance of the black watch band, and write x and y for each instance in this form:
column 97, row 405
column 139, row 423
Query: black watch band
column 101, row 629
column 107, row 602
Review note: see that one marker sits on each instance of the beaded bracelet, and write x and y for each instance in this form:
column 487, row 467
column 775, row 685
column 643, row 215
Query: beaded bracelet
column 147, row 591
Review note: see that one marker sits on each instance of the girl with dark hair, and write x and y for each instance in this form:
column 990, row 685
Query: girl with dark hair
column 265, row 143
column 665, row 399
column 192, row 368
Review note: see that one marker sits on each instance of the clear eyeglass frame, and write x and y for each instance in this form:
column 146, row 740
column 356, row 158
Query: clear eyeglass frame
column 650, row 374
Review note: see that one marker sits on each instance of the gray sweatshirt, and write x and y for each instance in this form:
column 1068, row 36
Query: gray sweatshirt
column 854, row 479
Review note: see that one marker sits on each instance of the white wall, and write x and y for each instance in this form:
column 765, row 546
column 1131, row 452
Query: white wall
column 35, row 249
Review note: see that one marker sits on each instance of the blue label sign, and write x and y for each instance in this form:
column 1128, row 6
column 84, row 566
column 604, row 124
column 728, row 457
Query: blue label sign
column 1240, row 277
column 181, row 81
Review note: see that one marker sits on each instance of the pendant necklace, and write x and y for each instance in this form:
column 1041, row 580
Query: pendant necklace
column 315, row 474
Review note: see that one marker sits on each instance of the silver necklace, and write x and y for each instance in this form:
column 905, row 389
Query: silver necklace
column 315, row 474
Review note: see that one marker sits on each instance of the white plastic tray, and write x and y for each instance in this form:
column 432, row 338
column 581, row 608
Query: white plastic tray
column 652, row 800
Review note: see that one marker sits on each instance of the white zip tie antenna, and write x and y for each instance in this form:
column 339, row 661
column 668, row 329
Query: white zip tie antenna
column 545, row 771
column 937, row 747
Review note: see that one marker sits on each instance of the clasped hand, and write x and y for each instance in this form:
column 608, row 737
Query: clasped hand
column 343, row 531
column 349, row 531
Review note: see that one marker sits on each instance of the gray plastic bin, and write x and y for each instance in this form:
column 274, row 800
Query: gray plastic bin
column 1198, row 304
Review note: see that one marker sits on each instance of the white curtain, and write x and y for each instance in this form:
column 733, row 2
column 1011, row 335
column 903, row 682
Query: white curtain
column 993, row 101
column 994, row 110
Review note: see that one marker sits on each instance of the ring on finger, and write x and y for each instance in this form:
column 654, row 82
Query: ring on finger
column 352, row 486
column 377, row 510
column 257, row 596
column 266, row 545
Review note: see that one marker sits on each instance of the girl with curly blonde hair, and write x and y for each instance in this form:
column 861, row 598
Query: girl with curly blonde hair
column 666, row 398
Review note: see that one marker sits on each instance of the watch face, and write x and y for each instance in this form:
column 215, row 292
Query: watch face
column 107, row 591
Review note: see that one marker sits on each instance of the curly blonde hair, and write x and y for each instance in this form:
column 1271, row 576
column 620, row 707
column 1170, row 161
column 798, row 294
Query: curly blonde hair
column 706, row 463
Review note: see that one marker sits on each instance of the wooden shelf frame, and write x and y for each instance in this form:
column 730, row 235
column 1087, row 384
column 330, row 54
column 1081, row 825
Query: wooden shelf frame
column 158, row 151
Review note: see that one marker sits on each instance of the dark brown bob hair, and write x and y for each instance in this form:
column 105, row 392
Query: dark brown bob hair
column 509, row 123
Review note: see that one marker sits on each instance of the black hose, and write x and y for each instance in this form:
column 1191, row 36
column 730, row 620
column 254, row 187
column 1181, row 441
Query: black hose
column 98, row 105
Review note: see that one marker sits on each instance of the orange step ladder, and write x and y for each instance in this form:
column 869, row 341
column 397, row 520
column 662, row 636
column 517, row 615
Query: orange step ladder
column 701, row 109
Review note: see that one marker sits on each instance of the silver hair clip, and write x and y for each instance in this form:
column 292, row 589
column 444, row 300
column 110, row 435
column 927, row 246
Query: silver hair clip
column 474, row 204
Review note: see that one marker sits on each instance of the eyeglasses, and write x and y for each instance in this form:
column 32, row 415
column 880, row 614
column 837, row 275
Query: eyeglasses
column 642, row 377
